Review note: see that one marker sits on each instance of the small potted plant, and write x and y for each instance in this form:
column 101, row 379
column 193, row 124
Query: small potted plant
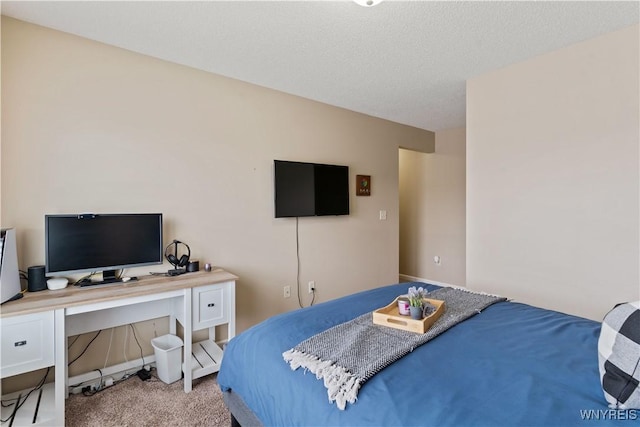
column 416, row 300
column 418, row 307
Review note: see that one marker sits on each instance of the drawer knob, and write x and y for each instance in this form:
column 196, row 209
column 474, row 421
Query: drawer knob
column 210, row 304
column 20, row 343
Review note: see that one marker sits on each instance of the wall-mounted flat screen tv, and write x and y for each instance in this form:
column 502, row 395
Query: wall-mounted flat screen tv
column 310, row 189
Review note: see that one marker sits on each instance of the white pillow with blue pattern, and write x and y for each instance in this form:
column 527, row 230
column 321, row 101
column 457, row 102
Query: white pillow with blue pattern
column 619, row 356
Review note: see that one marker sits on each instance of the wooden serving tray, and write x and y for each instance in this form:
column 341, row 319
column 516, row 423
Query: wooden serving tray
column 391, row 317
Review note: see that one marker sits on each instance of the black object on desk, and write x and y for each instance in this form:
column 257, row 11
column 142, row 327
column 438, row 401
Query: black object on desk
column 15, row 297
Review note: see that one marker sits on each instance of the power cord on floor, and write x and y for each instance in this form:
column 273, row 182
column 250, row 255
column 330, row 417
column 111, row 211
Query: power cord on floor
column 142, row 372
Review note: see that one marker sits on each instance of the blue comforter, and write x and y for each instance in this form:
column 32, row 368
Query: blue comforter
column 511, row 365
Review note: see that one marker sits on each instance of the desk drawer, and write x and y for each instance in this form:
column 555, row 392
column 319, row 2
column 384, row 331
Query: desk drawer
column 210, row 306
column 27, row 343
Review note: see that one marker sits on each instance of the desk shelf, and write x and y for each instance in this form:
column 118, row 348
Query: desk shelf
column 46, row 409
column 206, row 357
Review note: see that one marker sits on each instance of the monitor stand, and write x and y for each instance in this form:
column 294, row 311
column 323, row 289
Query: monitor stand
column 108, row 276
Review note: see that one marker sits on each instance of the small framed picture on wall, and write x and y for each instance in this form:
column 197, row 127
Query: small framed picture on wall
column 363, row 185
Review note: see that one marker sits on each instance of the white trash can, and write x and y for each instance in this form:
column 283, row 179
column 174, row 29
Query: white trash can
column 168, row 352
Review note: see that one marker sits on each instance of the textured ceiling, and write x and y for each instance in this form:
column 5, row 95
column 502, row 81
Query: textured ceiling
column 405, row 61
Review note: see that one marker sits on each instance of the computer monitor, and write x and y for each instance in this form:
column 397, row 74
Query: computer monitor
column 101, row 242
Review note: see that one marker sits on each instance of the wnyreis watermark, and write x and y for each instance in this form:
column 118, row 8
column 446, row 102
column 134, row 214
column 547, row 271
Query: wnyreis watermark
column 609, row 414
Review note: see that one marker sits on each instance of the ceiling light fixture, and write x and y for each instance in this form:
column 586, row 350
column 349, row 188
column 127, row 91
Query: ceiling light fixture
column 368, row 3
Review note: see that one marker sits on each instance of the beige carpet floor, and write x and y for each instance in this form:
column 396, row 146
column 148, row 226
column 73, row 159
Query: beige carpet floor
column 150, row 403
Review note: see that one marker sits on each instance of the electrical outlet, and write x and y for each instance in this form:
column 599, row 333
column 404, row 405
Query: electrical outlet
column 287, row 291
column 312, row 287
column 76, row 390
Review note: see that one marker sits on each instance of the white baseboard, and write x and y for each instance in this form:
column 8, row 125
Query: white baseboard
column 407, row 278
column 115, row 371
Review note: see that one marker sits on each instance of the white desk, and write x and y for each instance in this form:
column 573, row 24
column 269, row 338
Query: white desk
column 35, row 328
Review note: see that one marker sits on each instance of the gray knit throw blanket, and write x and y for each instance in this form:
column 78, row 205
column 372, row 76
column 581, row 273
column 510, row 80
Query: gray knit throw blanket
column 347, row 355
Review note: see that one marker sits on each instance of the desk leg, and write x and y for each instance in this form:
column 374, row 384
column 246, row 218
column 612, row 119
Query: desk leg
column 188, row 338
column 61, row 378
column 231, row 326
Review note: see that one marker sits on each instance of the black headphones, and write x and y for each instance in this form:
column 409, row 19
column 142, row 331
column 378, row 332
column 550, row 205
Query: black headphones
column 172, row 256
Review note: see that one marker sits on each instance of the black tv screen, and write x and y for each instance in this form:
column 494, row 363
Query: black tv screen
column 89, row 242
column 310, row 189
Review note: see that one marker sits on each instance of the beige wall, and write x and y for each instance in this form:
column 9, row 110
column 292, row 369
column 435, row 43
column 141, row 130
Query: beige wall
column 432, row 210
column 552, row 177
column 93, row 128
column 1, row 103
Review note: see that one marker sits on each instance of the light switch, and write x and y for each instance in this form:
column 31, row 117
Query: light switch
column 383, row 215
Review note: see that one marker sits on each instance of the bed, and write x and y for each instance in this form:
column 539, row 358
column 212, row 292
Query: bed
column 510, row 365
